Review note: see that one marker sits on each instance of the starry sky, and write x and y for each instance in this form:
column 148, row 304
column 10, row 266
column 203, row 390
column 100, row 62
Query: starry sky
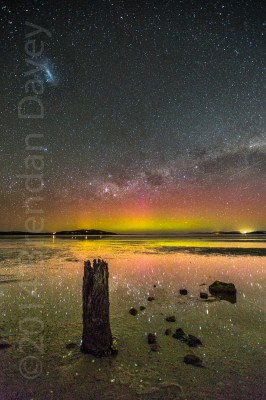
column 153, row 115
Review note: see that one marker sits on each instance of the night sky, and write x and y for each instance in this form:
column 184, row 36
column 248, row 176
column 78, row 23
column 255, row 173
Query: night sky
column 153, row 115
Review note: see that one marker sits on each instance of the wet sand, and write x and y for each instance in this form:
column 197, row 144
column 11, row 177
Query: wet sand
column 233, row 335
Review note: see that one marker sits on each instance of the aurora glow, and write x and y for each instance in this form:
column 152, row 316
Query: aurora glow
column 154, row 115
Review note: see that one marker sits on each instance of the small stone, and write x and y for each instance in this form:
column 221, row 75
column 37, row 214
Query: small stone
column 204, row 295
column 154, row 285
column 168, row 332
column 71, row 346
column 193, row 341
column 4, row 346
column 193, row 360
column 151, row 298
column 154, row 347
column 133, row 311
column 183, row 291
column 142, row 308
column 180, row 335
column 170, row 319
column 151, row 338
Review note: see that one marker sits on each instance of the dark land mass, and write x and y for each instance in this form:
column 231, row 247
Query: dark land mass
column 240, row 233
column 227, row 233
column 84, row 232
column 230, row 251
column 257, row 233
column 61, row 233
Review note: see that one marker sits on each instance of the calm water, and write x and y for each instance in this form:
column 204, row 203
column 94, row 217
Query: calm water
column 41, row 311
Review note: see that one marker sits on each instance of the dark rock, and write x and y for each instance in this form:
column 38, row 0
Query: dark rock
column 133, row 311
column 151, row 298
column 4, row 346
column 183, row 291
column 151, row 338
column 154, row 347
column 193, row 341
column 154, row 285
column 223, row 291
column 193, row 360
column 180, row 335
column 142, row 308
column 168, row 332
column 71, row 346
column 204, row 295
column 170, row 319
column 231, row 298
column 222, row 287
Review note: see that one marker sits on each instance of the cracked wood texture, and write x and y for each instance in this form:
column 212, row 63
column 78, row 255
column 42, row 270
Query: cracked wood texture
column 97, row 336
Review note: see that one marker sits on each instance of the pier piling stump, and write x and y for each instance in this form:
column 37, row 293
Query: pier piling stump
column 97, row 337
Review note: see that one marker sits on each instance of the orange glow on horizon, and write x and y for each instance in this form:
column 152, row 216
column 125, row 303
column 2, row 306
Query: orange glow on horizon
column 200, row 209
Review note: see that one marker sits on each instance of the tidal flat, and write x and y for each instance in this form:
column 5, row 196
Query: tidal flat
column 41, row 318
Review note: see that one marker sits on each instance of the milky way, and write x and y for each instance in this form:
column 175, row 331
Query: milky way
column 154, row 114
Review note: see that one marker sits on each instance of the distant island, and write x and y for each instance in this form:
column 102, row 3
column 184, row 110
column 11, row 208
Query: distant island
column 84, row 232
column 96, row 232
column 240, row 233
column 257, row 233
column 227, row 233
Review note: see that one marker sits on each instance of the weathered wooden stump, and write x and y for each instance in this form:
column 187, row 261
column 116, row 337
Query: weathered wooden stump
column 97, row 337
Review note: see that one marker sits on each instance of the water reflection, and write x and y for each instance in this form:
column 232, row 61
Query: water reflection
column 153, row 267
column 225, row 296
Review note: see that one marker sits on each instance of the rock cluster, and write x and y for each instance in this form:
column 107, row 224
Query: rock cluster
column 190, row 340
column 217, row 288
